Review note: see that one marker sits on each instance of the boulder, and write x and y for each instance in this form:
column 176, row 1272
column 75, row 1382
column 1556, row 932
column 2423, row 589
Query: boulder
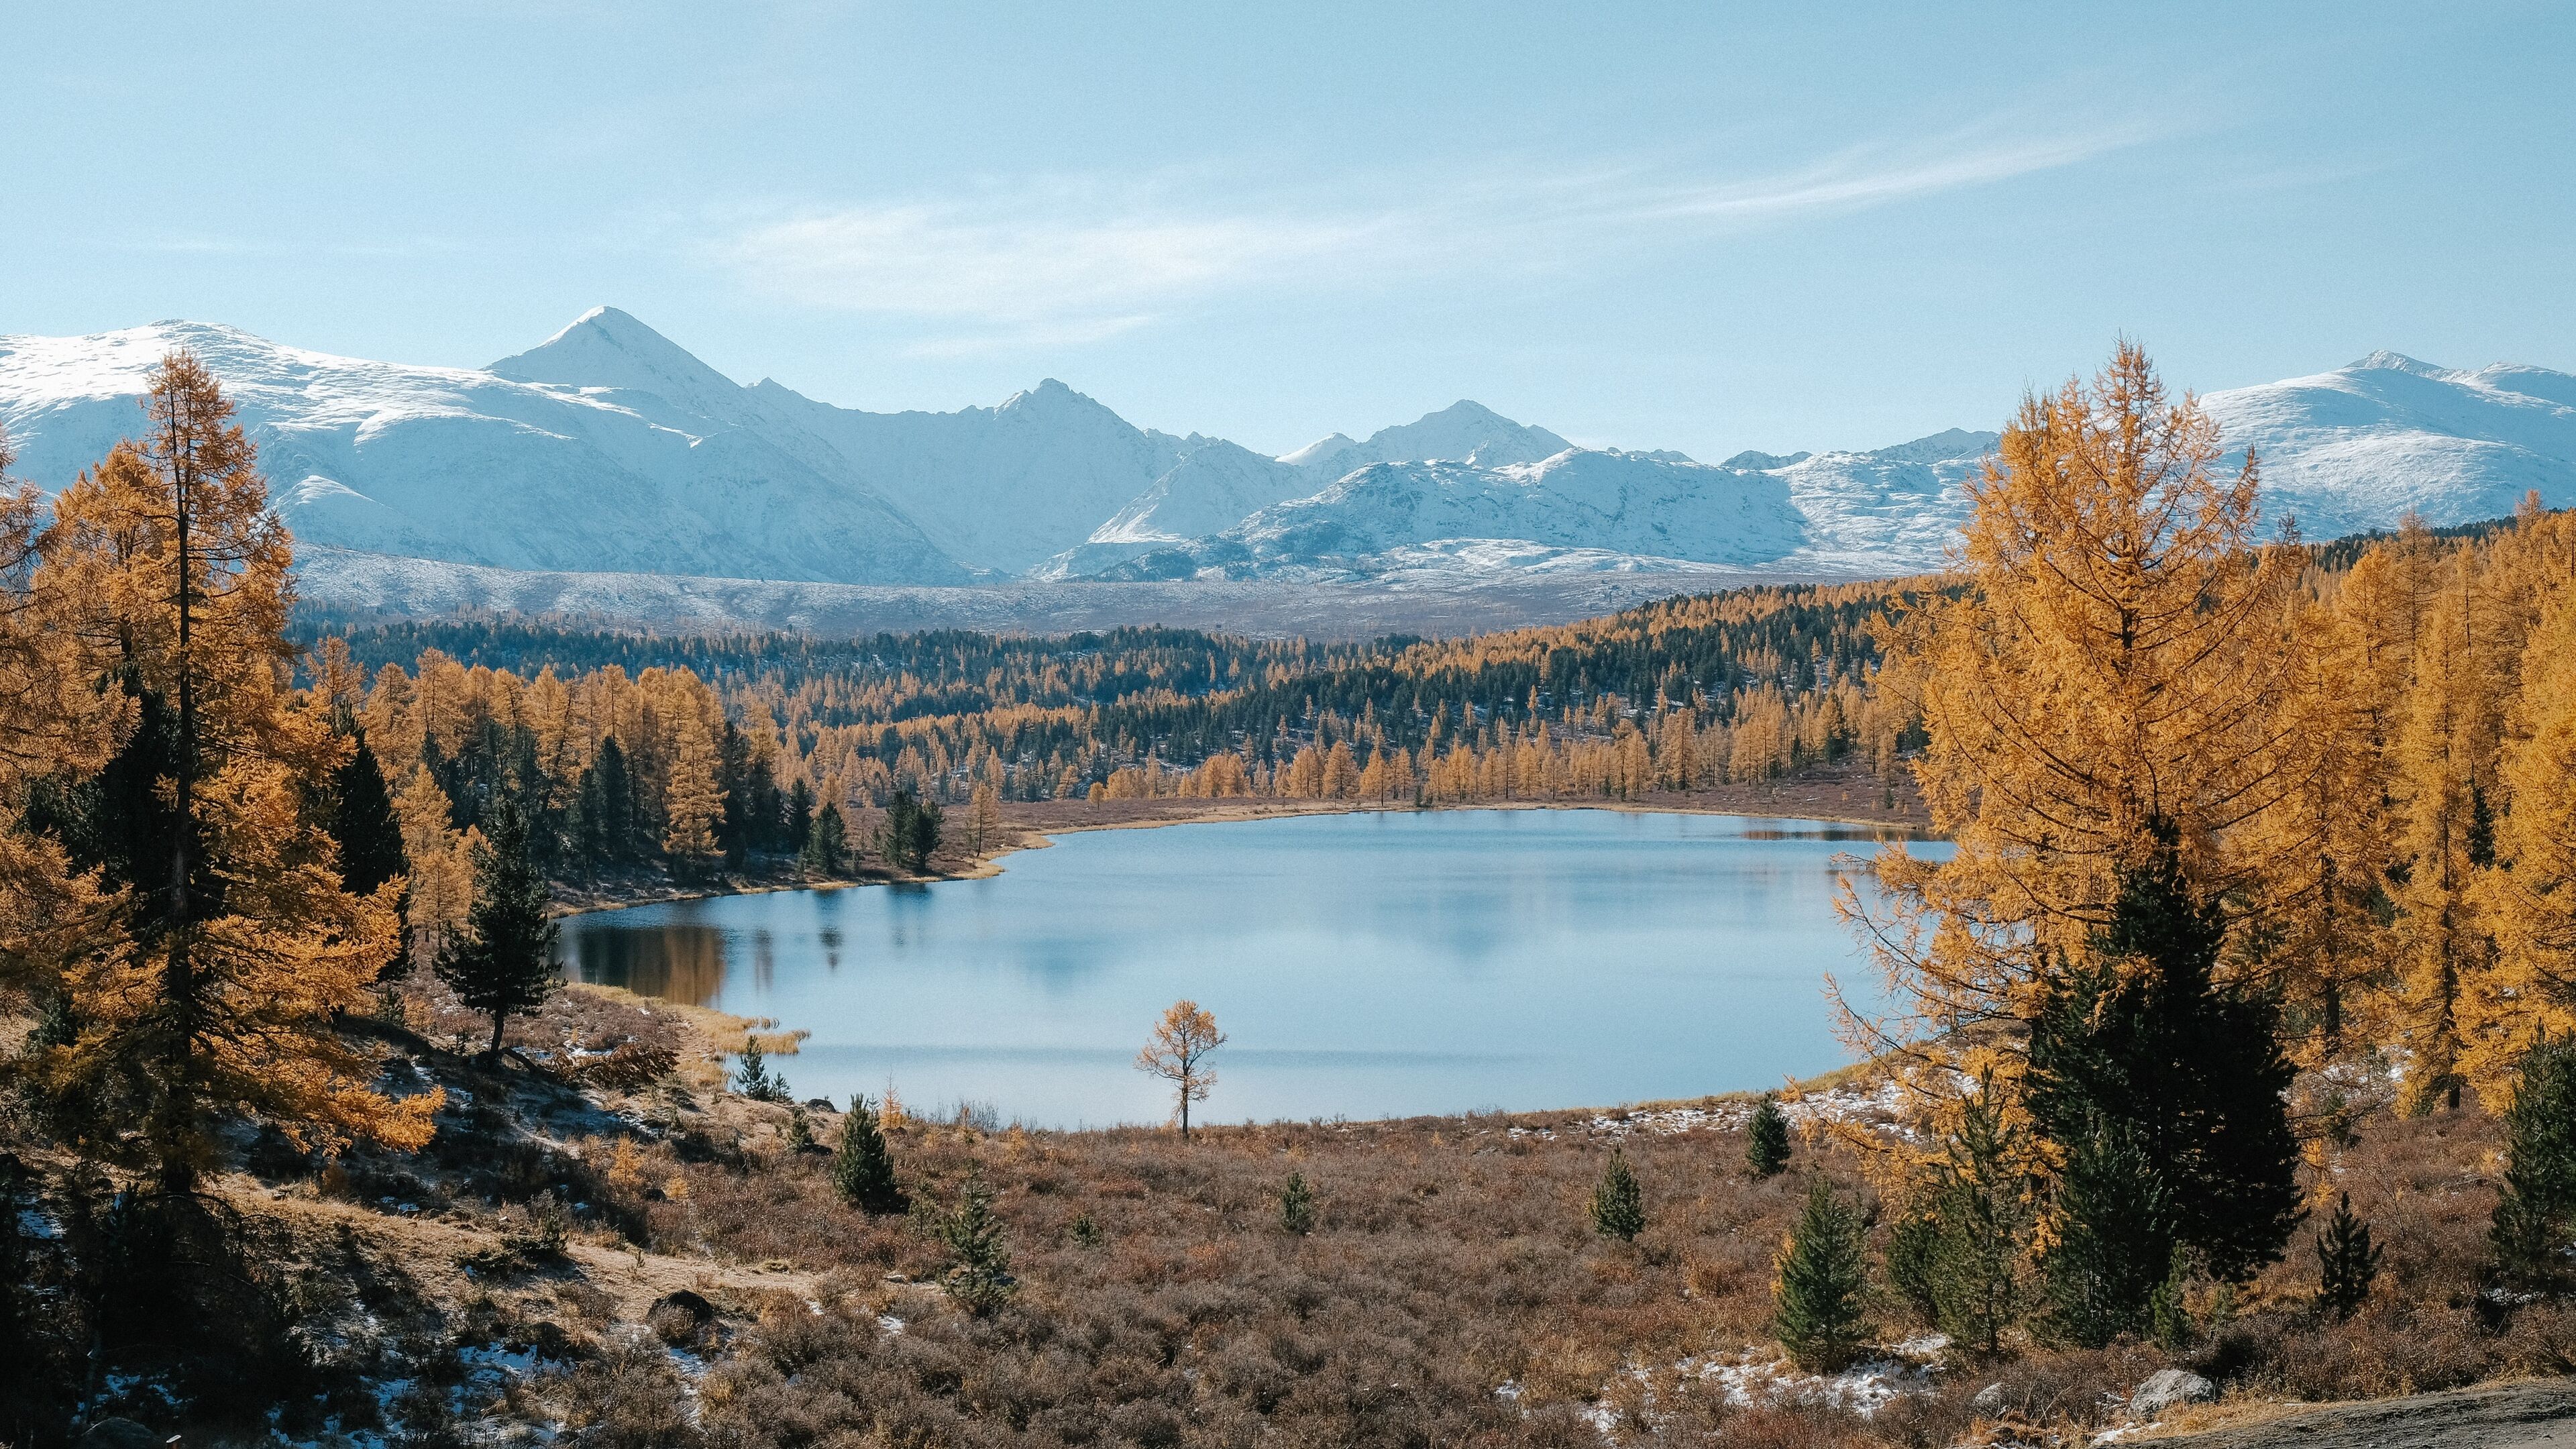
column 2167, row 1387
column 700, row 1311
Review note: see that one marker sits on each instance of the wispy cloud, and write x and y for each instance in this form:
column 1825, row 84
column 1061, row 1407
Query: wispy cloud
column 1058, row 260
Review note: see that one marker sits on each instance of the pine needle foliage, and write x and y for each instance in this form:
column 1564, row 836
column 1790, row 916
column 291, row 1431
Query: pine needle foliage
column 863, row 1166
column 1766, row 1138
column 1819, row 1288
column 1297, row 1205
column 978, row 1278
column 2347, row 1262
column 753, row 1078
column 1618, row 1206
column 2142, row 1035
column 2115, row 1238
column 1974, row 1270
column 2535, row 1214
column 504, row 964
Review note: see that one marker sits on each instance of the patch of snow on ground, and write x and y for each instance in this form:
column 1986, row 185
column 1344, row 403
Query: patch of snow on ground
column 1881, row 1106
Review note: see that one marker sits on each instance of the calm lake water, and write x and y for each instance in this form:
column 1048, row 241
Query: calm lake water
column 1362, row 965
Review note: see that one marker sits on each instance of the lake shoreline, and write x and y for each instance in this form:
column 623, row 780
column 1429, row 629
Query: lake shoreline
column 1032, row 826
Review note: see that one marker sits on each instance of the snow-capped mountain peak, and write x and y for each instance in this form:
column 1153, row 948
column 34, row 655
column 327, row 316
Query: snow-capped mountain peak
column 2384, row 360
column 608, row 349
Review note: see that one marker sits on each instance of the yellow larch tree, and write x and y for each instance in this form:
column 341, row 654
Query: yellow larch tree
column 442, row 870
column 239, row 945
column 693, row 802
column 2530, row 903
column 2444, row 758
column 2111, row 680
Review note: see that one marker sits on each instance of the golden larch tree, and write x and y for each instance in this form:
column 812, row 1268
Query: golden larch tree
column 239, row 945
column 1177, row 1052
column 693, row 802
column 2111, row 677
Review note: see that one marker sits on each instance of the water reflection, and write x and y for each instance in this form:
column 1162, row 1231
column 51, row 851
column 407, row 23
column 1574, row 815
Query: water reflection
column 676, row 960
column 1363, row 965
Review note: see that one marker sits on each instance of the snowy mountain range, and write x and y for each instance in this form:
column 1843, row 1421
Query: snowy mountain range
column 609, row 451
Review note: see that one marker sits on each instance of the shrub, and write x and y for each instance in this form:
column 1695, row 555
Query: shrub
column 1618, row 1203
column 1766, row 1138
column 1819, row 1279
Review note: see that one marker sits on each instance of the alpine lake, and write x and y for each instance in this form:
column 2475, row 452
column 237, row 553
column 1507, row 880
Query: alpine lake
column 1384, row 964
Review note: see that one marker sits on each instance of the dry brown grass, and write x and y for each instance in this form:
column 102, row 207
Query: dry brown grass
column 1160, row 1301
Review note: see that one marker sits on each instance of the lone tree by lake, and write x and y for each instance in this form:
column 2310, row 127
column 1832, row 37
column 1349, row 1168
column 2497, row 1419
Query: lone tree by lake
column 1177, row 1053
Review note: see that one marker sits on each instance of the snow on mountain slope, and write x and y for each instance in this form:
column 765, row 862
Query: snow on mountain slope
column 1895, row 508
column 469, row 466
column 2358, row 447
column 1463, row 432
column 1578, row 508
column 1000, row 487
column 1210, row 490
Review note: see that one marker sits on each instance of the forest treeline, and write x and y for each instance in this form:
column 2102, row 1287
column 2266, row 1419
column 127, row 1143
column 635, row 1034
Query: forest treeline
column 599, row 736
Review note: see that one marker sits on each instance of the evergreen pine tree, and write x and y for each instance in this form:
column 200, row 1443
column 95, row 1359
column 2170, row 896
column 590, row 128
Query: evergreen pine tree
column 979, row 1264
column 504, row 963
column 1297, row 1205
column 798, row 817
column 1618, row 1204
column 1820, row 1282
column 863, row 1168
column 620, row 830
column 910, row 834
column 1981, row 1229
column 2142, row 1036
column 753, row 1078
column 363, row 822
column 1766, row 1138
column 2347, row 1261
column 738, row 821
column 826, row 848
column 2535, row 1215
column 2115, row 1238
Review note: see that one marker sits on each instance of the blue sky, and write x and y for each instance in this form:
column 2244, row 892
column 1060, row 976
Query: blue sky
column 1706, row 227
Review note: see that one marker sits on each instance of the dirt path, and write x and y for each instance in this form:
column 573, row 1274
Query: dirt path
column 2532, row 1415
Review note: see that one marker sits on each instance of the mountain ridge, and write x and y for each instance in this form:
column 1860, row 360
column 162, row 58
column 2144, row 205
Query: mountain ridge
column 609, row 449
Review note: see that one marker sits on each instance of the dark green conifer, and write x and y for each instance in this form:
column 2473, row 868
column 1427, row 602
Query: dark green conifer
column 826, row 848
column 2347, row 1262
column 797, row 815
column 2143, row 1036
column 363, row 823
column 2535, row 1215
column 1820, row 1285
column 503, row 964
column 1766, row 1138
column 753, row 1078
column 1297, row 1205
column 910, row 833
column 863, row 1168
column 979, row 1262
column 1981, row 1228
column 1618, row 1204
column 2115, row 1238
